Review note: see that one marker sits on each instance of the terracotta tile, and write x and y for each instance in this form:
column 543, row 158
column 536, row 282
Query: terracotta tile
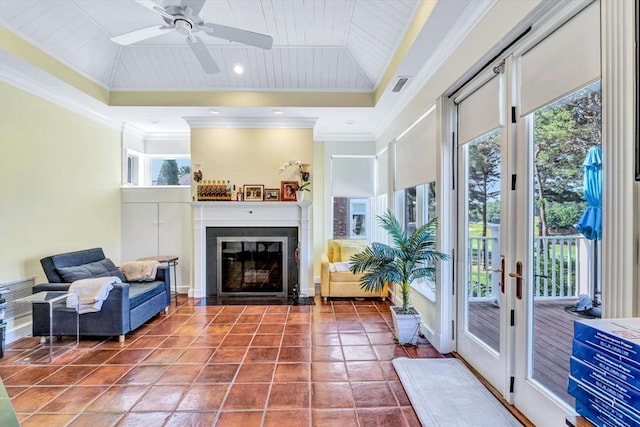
column 249, row 318
column 143, row 374
column 161, row 398
column 358, row 352
column 129, row 357
column 350, row 326
column 266, row 328
column 117, row 399
column 372, row 394
column 262, row 354
column 292, row 372
column 296, row 340
column 381, row 337
column 297, row 328
column 237, row 340
column 36, row 397
column 180, row 374
column 274, row 318
column 365, row 371
column 145, row 419
column 255, row 309
column 344, row 309
column 334, row 417
column 208, row 340
column 242, row 418
column 354, row 338
column 410, row 416
column 177, row 341
column 390, row 351
column 328, row 371
column 14, row 391
column 324, row 327
column 195, row 355
column 163, row 356
column 74, row 399
column 232, row 354
column 294, row 354
column 247, row 396
column 331, row 395
column 286, row 418
column 217, row 373
column 326, row 339
column 388, row 370
column 95, row 357
column 278, row 309
column 146, row 341
column 191, row 419
column 7, row 370
column 96, row 419
column 264, row 340
column 106, row 375
column 48, row 420
column 203, row 397
column 376, row 327
column 327, row 353
column 217, row 329
column 380, row 417
column 225, row 318
column 67, row 375
column 289, row 395
column 399, row 393
column 255, row 372
column 189, row 329
column 233, row 309
column 30, row 376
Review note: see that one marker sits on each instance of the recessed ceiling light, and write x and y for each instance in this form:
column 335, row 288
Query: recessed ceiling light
column 238, row 69
column 349, row 122
column 154, row 121
column 276, row 111
column 212, row 111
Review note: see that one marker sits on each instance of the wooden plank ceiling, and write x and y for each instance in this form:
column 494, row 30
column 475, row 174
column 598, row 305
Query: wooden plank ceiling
column 319, row 45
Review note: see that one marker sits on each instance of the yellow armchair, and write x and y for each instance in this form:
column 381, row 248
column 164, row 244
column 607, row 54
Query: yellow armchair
column 335, row 279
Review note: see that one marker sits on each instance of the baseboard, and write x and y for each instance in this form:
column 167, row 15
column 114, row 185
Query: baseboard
column 17, row 331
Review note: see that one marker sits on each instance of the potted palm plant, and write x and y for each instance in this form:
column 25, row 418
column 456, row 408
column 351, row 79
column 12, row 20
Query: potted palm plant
column 411, row 257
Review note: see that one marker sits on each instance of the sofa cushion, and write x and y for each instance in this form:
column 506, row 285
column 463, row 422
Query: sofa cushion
column 140, row 292
column 102, row 268
column 347, row 250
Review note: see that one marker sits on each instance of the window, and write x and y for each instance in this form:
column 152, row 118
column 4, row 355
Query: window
column 133, row 168
column 170, row 171
column 351, row 218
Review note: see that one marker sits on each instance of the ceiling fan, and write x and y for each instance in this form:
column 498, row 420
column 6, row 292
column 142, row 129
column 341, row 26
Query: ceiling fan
column 184, row 19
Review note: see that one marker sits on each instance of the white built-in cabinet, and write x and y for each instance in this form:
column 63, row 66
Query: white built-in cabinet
column 157, row 221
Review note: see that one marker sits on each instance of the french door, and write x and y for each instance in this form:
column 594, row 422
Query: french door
column 520, row 262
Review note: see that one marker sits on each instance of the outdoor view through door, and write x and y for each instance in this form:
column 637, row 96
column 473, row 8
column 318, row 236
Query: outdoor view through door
column 565, row 262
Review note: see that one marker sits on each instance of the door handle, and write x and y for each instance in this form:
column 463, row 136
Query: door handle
column 501, row 271
column 518, row 276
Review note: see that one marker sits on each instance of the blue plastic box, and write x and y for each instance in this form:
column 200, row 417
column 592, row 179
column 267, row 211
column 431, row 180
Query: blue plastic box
column 615, row 337
column 586, row 394
column 611, row 366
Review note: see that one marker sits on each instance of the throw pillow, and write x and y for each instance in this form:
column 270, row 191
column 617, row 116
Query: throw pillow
column 102, row 268
column 347, row 250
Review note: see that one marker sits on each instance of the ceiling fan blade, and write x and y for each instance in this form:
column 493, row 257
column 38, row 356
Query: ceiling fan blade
column 195, row 5
column 202, row 54
column 151, row 5
column 141, row 34
column 237, row 35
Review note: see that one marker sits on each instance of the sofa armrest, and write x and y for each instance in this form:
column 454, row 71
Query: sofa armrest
column 48, row 287
column 324, row 276
column 163, row 274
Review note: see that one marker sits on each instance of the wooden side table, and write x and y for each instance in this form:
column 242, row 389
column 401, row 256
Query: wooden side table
column 171, row 261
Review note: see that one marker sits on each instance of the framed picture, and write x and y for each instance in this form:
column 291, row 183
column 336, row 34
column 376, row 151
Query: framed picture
column 272, row 194
column 288, row 190
column 253, row 193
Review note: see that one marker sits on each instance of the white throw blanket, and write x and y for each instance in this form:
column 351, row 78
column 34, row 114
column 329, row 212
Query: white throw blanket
column 135, row 271
column 339, row 267
column 87, row 295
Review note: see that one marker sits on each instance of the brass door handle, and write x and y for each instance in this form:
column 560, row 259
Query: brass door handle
column 516, row 275
column 501, row 271
column 495, row 271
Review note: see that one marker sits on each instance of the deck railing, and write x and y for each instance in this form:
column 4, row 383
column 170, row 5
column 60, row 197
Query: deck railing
column 556, row 267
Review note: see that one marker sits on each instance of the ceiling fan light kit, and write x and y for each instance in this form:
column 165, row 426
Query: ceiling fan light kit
column 184, row 19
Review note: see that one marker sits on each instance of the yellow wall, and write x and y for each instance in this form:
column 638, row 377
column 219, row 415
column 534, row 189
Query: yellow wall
column 250, row 156
column 59, row 184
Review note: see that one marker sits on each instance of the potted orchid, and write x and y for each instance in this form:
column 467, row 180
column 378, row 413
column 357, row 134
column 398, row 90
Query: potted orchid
column 301, row 169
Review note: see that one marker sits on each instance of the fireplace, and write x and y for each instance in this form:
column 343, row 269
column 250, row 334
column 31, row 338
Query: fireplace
column 251, row 261
column 239, row 241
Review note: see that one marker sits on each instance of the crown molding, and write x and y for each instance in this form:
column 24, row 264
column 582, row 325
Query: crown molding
column 251, row 122
column 21, row 80
column 343, row 137
column 167, row 136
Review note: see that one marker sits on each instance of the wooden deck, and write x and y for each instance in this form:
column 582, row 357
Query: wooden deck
column 553, row 333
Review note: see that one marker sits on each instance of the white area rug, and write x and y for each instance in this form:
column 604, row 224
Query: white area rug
column 444, row 392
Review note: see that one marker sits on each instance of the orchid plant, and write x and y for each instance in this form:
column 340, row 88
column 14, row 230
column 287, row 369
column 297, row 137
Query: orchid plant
column 300, row 171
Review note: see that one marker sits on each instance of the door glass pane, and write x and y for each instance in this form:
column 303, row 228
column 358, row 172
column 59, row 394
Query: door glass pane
column 350, row 218
column 564, row 262
column 483, row 237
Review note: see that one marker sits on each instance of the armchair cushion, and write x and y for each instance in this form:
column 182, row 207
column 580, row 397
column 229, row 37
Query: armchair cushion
column 102, row 268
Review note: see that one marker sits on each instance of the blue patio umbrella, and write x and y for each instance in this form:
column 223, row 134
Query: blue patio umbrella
column 590, row 225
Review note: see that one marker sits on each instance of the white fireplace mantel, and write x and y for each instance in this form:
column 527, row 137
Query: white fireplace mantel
column 250, row 214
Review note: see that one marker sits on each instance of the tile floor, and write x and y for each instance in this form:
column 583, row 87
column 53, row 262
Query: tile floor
column 322, row 365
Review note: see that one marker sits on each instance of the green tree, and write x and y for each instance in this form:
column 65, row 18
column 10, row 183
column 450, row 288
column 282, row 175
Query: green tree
column 168, row 173
column 184, row 170
column 484, row 176
column 563, row 133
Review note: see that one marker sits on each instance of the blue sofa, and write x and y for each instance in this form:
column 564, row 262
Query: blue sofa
column 128, row 306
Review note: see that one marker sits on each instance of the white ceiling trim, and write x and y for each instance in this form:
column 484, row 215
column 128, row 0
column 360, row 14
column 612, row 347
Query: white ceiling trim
column 251, row 122
column 345, row 137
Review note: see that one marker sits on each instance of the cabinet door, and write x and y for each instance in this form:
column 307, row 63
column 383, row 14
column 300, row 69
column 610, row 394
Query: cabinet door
column 139, row 230
column 170, row 224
